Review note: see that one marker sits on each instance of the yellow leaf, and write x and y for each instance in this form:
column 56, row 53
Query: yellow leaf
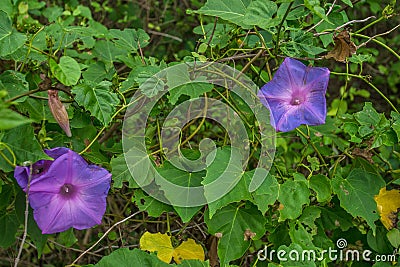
column 160, row 243
column 188, row 250
column 388, row 203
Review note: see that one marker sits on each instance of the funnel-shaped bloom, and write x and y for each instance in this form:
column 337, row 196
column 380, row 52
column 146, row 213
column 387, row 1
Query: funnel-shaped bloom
column 65, row 192
column 296, row 95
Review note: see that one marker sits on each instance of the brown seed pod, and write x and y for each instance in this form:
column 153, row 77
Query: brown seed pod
column 59, row 112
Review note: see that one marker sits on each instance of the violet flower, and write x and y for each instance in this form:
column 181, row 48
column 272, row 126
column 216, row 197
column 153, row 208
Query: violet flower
column 296, row 95
column 65, row 192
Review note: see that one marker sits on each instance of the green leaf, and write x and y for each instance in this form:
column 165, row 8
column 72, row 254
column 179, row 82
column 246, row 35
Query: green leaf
column 67, row 238
column 8, row 226
column 260, row 13
column 310, row 214
column 396, row 123
column 97, row 98
column 299, row 235
column 97, row 72
column 67, row 71
column 107, row 51
column 356, row 194
column 218, row 171
column 232, row 222
column 238, row 193
column 368, row 116
column 10, row 119
column 124, row 257
column 185, row 179
column 180, row 83
column 336, row 217
column 192, row 90
column 152, row 206
column 194, row 263
column 230, row 10
column 322, row 186
column 394, row 237
column 120, row 173
column 315, row 8
column 22, row 141
column 288, row 261
column 348, row 2
column 266, row 194
column 15, row 84
column 293, row 195
column 10, row 39
column 130, row 39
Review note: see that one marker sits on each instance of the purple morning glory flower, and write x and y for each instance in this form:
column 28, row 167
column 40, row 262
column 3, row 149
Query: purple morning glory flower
column 296, row 95
column 65, row 192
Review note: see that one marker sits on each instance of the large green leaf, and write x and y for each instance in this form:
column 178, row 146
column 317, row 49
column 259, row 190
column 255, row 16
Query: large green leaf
column 124, row 257
column 185, row 179
column 260, row 13
column 10, row 39
column 368, row 116
column 129, row 39
column 356, row 194
column 15, row 84
column 8, row 226
column 152, row 206
column 266, row 194
column 67, row 71
column 97, row 72
column 322, row 187
column 179, row 82
column 230, row 10
column 120, row 173
column 97, row 98
column 238, row 193
column 22, row 141
column 224, row 180
column 107, row 51
column 10, row 119
column 192, row 90
column 233, row 222
column 293, row 195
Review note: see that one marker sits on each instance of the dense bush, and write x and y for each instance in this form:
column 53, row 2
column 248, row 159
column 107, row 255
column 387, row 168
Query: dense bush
column 306, row 165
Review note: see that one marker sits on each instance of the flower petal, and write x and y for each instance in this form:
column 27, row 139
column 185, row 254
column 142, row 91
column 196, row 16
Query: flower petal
column 56, row 152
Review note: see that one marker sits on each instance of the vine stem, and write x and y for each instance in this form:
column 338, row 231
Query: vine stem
column 280, row 26
column 370, row 84
column 379, row 42
column 12, row 163
column 21, row 247
column 307, row 137
column 103, row 236
column 102, row 130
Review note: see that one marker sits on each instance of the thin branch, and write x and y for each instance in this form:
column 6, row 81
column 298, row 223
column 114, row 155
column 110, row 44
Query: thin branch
column 377, row 35
column 344, row 25
column 103, row 236
column 21, row 247
column 319, row 22
column 165, row 35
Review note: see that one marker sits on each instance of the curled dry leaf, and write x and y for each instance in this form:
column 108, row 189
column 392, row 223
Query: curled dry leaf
column 59, row 112
column 344, row 47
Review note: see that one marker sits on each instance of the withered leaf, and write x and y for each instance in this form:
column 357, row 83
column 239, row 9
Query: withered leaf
column 213, row 249
column 248, row 234
column 59, row 112
column 344, row 47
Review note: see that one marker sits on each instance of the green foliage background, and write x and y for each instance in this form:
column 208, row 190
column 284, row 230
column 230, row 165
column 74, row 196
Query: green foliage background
column 97, row 53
